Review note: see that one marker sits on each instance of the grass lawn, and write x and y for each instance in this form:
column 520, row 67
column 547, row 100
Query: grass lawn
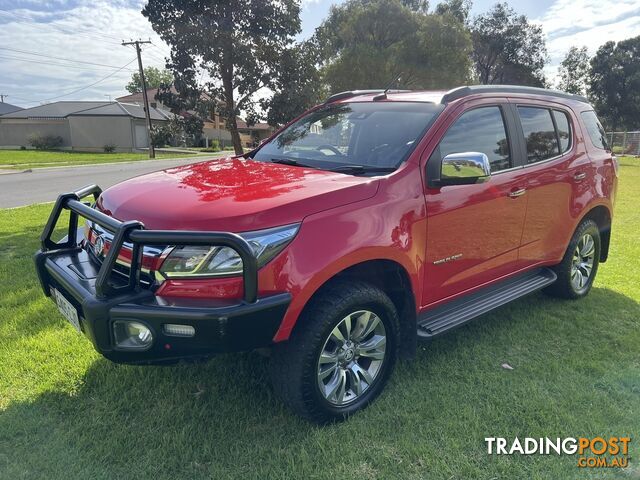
column 65, row 412
column 23, row 159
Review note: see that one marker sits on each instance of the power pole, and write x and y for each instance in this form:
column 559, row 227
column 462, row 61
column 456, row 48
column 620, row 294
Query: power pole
column 147, row 112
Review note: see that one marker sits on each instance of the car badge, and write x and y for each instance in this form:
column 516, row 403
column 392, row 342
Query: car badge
column 98, row 246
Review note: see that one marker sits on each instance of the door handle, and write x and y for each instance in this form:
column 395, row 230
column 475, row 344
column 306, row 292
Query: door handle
column 579, row 176
column 518, row 193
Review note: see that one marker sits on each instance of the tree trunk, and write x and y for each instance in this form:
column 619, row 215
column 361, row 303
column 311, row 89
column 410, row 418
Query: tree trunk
column 235, row 136
column 232, row 124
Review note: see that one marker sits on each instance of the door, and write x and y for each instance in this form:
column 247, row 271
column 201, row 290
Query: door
column 558, row 174
column 474, row 231
column 142, row 140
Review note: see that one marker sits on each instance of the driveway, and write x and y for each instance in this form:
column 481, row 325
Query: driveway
column 45, row 184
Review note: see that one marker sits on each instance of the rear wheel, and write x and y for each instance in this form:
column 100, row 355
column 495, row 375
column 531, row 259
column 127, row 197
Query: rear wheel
column 579, row 265
column 341, row 356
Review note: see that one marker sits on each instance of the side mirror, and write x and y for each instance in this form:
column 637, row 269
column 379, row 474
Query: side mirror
column 464, row 168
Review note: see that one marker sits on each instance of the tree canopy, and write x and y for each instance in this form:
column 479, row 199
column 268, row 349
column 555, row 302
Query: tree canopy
column 154, row 77
column 237, row 44
column 574, row 71
column 366, row 43
column 507, row 48
column 614, row 83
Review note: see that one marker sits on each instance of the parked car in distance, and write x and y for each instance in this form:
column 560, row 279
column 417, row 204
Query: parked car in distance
column 374, row 220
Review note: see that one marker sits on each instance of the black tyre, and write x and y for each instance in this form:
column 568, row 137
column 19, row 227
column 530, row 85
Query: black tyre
column 340, row 355
column 579, row 265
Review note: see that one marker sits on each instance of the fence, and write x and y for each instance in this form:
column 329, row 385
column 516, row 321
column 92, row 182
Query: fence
column 625, row 143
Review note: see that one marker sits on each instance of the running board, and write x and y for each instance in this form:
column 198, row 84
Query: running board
column 460, row 311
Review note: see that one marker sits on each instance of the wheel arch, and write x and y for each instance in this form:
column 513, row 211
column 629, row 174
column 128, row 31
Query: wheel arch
column 601, row 215
column 392, row 278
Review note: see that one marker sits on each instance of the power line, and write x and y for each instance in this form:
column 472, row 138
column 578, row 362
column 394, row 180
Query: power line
column 43, row 62
column 17, row 50
column 85, row 87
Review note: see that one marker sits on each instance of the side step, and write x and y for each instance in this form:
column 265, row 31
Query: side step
column 460, row 311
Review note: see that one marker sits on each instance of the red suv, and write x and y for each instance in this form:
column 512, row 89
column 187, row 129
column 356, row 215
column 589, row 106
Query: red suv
column 373, row 220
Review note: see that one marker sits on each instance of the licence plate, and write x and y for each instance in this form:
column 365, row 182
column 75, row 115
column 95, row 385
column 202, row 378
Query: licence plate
column 67, row 310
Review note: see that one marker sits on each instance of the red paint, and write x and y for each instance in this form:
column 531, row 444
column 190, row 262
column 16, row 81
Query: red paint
column 346, row 220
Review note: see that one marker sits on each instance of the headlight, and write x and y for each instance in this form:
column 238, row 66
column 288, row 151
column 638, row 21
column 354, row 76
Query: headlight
column 189, row 262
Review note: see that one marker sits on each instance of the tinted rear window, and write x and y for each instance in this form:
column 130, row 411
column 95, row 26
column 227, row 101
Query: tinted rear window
column 564, row 130
column 539, row 133
column 595, row 130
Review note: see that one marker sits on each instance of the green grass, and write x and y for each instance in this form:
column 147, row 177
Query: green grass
column 65, row 412
column 24, row 159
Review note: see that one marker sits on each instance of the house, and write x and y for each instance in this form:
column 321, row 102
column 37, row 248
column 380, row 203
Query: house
column 8, row 108
column 214, row 125
column 83, row 126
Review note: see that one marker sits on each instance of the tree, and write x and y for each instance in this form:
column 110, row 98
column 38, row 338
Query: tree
column 614, row 83
column 238, row 44
column 297, row 86
column 507, row 49
column 574, row 71
column 154, row 78
column 458, row 9
column 366, row 43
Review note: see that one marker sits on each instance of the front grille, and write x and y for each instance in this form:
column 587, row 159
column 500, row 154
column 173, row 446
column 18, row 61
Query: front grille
column 122, row 269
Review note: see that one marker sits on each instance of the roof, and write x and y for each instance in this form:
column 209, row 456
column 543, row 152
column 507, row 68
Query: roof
column 59, row 110
column 242, row 125
column 117, row 109
column 8, row 108
column 443, row 97
column 54, row 110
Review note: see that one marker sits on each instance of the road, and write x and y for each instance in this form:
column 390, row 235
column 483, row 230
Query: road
column 45, row 184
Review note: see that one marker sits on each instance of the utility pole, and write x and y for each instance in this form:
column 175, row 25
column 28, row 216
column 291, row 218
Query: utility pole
column 147, row 112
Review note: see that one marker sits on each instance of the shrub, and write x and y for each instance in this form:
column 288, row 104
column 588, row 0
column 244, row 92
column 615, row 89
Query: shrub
column 44, row 142
column 214, row 146
column 22, row 147
column 109, row 148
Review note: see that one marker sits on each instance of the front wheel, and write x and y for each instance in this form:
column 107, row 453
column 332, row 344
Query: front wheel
column 579, row 265
column 339, row 359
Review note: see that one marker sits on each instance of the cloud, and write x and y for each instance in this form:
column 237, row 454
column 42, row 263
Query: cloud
column 588, row 23
column 88, row 31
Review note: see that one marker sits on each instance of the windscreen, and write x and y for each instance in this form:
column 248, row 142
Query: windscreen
column 371, row 134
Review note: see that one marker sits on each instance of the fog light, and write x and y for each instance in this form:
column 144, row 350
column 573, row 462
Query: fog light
column 179, row 330
column 132, row 335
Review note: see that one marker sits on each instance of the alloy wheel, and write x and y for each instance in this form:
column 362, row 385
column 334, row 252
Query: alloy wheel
column 352, row 357
column 582, row 262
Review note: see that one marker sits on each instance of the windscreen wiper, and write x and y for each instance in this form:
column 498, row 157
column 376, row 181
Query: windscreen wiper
column 291, row 161
column 360, row 169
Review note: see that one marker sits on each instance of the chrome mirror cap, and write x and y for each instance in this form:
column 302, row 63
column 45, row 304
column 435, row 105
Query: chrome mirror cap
column 466, row 167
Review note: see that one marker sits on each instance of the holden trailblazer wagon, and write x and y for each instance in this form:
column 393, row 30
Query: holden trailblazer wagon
column 371, row 222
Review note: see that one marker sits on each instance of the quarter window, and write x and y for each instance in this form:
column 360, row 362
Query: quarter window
column 539, row 133
column 595, row 130
column 564, row 130
column 479, row 130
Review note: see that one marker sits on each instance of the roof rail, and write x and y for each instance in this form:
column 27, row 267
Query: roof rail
column 461, row 92
column 351, row 93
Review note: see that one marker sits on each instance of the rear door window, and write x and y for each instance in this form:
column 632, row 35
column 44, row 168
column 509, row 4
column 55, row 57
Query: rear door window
column 564, row 130
column 479, row 130
column 595, row 130
column 539, row 133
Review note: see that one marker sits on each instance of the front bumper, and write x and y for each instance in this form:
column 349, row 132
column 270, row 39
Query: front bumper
column 101, row 297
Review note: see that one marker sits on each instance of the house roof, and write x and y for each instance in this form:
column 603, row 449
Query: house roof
column 54, row 110
column 8, row 108
column 59, row 110
column 117, row 109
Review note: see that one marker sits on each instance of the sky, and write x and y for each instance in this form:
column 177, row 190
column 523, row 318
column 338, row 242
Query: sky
column 54, row 50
